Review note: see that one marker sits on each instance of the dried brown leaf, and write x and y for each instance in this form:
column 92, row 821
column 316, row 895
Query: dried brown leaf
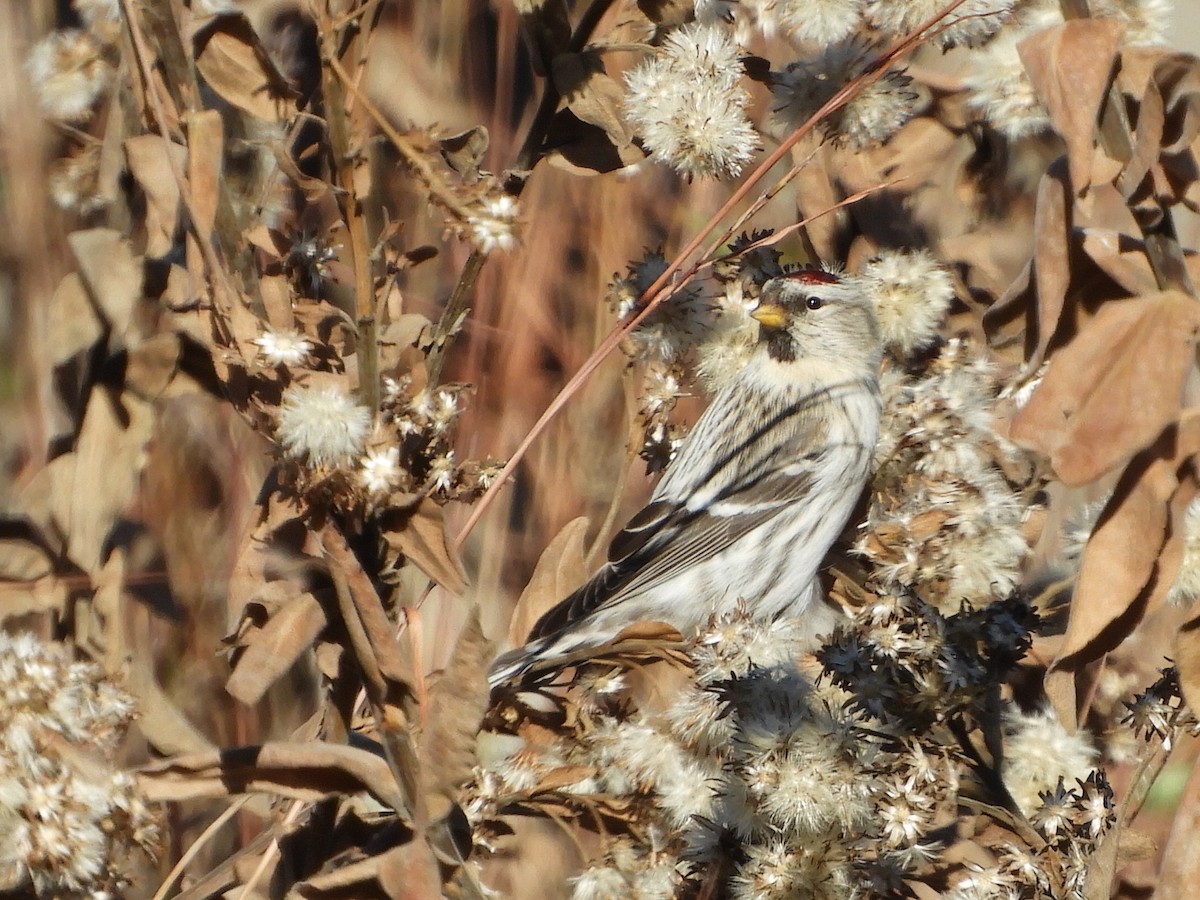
column 1052, row 222
column 23, row 556
column 1130, row 560
column 162, row 723
column 582, row 148
column 307, row 772
column 150, row 165
column 50, row 594
column 464, row 152
column 1122, row 258
column 206, row 153
column 1112, row 390
column 112, row 274
column 457, row 702
column 235, row 64
column 272, row 650
column 1070, row 67
column 560, row 569
column 419, row 533
column 107, row 459
column 592, row 95
column 151, row 366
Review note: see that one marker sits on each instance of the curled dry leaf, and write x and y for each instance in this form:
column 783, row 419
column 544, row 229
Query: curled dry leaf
column 560, row 569
column 307, row 771
column 234, row 63
column 1111, row 391
column 457, row 702
column 146, row 156
column 1163, row 167
column 270, row 651
column 1131, row 558
column 112, row 274
column 419, row 533
column 206, row 149
column 1070, row 67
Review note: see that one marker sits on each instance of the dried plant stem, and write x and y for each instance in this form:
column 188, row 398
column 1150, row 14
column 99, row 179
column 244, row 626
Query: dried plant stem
column 345, row 158
column 456, row 308
column 658, row 291
column 269, row 854
column 199, row 844
column 413, row 157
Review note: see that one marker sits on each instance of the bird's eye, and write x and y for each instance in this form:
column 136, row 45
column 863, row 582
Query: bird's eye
column 814, row 302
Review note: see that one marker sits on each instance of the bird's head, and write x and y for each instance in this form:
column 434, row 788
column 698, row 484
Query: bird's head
column 820, row 316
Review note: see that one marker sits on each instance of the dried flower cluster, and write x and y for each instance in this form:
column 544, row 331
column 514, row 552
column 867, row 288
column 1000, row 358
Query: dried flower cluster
column 780, row 781
column 945, row 519
column 69, row 820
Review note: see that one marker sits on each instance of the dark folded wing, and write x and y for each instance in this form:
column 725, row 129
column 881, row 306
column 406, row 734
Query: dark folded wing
column 666, row 538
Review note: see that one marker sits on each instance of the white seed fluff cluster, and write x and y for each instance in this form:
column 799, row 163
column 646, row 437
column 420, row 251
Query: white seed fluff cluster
column 322, row 425
column 494, row 226
column 1039, row 752
column 69, row 73
column 1000, row 89
column 944, row 520
column 687, row 104
column 67, row 819
column 283, row 348
column 912, row 294
column 380, row 470
column 822, row 22
column 970, row 25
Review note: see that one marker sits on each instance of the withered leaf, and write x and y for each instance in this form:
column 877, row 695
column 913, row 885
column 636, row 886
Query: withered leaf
column 464, row 152
column 1113, row 389
column 206, row 145
column 307, row 771
column 585, row 149
column 592, row 95
column 560, row 569
column 457, row 702
column 1070, row 67
column 23, row 557
column 274, row 648
column 161, row 722
column 419, row 533
column 235, row 64
column 108, row 456
column 149, row 164
column 111, row 273
column 77, row 323
column 1051, row 260
column 1130, row 560
column 151, row 365
column 1187, row 660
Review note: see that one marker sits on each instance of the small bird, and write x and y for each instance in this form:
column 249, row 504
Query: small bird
column 759, row 491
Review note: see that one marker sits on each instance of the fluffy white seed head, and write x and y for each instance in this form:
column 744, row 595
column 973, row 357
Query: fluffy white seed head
column 322, row 425
column 688, row 106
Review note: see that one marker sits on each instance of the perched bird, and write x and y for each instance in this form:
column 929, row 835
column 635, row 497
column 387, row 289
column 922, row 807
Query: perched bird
column 759, row 491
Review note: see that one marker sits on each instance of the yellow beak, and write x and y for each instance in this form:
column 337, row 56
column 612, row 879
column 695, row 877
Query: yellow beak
column 771, row 315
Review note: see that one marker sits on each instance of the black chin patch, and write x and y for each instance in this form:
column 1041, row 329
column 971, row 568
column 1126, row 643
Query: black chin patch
column 780, row 346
